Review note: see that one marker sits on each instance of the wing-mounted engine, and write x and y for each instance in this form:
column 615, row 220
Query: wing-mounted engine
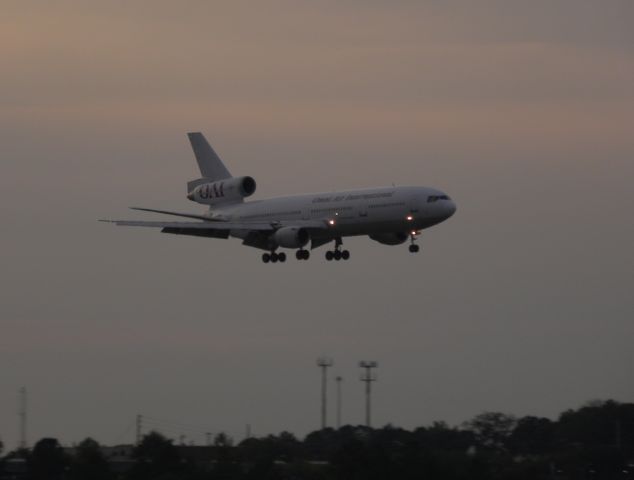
column 229, row 190
column 291, row 237
column 393, row 238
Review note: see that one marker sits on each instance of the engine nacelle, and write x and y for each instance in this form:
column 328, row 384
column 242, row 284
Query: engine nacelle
column 228, row 190
column 393, row 238
column 291, row 237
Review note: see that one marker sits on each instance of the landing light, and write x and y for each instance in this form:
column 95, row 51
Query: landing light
column 414, row 232
column 409, row 218
column 331, row 222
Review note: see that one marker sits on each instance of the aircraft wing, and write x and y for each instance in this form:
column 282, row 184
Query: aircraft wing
column 222, row 225
column 178, row 214
column 254, row 234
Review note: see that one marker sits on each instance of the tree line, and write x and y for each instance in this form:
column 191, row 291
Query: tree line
column 595, row 441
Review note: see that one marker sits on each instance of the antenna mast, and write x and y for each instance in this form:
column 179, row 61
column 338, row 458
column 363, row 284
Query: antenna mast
column 22, row 413
column 139, row 427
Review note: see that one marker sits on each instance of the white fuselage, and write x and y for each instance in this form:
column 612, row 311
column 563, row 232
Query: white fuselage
column 388, row 215
column 369, row 211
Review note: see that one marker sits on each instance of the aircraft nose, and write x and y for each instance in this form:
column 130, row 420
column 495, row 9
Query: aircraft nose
column 446, row 209
column 451, row 208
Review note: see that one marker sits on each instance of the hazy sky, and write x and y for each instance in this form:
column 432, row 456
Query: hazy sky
column 523, row 111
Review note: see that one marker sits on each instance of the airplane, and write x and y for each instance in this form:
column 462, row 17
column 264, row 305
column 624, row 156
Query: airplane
column 388, row 215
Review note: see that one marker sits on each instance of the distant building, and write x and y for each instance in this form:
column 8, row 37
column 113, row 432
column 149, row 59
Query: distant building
column 13, row 469
column 119, row 458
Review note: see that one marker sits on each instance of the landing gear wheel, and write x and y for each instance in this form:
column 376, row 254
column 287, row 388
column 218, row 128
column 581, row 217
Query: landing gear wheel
column 337, row 253
column 266, row 258
column 302, row 254
column 274, row 257
column 413, row 248
column 281, row 257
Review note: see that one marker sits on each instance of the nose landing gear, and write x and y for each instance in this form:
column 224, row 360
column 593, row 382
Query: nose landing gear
column 337, row 253
column 413, row 248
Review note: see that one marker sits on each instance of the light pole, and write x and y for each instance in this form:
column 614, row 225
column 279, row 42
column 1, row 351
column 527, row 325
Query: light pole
column 368, row 377
column 339, row 379
column 324, row 363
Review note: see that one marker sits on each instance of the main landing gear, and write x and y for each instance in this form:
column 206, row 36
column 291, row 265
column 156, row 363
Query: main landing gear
column 302, row 254
column 274, row 257
column 413, row 248
column 337, row 253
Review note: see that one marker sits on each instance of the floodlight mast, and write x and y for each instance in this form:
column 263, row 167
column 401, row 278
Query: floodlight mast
column 368, row 377
column 324, row 363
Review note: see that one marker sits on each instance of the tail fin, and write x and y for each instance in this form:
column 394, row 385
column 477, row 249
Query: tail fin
column 209, row 162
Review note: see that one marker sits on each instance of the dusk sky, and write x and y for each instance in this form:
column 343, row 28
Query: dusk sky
column 522, row 302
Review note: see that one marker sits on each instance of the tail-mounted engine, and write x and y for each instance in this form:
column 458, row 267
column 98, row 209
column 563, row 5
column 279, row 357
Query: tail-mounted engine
column 230, row 190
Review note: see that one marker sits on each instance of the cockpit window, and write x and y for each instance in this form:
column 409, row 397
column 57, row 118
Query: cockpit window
column 435, row 198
